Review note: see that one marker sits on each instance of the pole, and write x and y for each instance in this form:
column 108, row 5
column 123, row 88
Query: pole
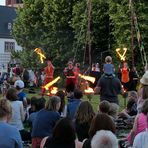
column 132, row 31
column 89, row 29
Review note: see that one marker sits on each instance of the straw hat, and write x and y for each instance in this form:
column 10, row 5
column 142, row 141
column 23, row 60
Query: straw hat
column 144, row 79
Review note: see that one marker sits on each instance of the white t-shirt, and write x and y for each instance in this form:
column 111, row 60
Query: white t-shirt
column 16, row 119
column 141, row 140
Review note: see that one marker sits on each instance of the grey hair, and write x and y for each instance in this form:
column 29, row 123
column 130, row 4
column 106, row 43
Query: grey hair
column 51, row 104
column 104, row 139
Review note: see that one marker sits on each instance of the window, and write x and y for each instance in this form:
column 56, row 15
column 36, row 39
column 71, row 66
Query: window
column 9, row 46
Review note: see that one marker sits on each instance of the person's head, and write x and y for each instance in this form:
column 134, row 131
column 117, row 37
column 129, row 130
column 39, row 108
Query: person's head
column 61, row 94
column 64, row 132
column 132, row 95
column 85, row 113
column 78, row 94
column 101, row 122
column 144, row 82
column 5, row 109
column 40, row 104
column 145, row 107
column 48, row 61
column 19, row 84
column 104, row 106
column 113, row 111
column 11, row 94
column 70, row 64
column 104, row 139
column 125, row 64
column 53, row 103
column 108, row 59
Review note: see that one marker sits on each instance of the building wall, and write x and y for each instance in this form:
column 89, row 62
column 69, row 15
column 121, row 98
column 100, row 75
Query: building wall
column 2, row 44
column 5, row 57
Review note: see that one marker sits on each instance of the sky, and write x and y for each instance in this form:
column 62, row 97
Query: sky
column 2, row 2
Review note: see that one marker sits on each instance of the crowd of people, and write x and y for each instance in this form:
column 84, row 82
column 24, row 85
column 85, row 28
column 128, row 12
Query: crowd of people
column 66, row 120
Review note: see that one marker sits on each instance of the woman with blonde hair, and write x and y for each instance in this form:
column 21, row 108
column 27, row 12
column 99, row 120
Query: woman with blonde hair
column 83, row 118
column 9, row 135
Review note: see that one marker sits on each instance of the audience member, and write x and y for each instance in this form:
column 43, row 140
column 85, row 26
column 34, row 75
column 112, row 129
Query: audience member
column 131, row 108
column 18, row 115
column 83, row 118
column 19, row 85
column 140, row 123
column 100, row 122
column 63, row 107
column 141, row 140
column 109, row 87
column 104, row 107
column 104, row 139
column 9, row 135
column 108, row 67
column 63, row 136
column 74, row 103
column 45, row 121
column 143, row 91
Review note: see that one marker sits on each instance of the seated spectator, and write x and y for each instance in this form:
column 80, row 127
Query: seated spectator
column 131, row 109
column 63, row 107
column 74, row 103
column 45, row 121
column 100, row 122
column 104, row 139
column 141, row 140
column 19, row 85
column 18, row 115
column 33, row 104
column 63, row 136
column 142, row 92
column 104, row 107
column 9, row 135
column 83, row 118
column 40, row 104
column 113, row 111
column 140, row 123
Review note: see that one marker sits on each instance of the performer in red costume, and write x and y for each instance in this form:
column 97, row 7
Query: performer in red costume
column 70, row 77
column 49, row 71
column 125, row 76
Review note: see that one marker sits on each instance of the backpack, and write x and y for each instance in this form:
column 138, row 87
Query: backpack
column 26, row 75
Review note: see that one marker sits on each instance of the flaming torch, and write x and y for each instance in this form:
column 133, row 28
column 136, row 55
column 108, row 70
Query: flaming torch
column 88, row 78
column 39, row 52
column 51, row 83
column 121, row 56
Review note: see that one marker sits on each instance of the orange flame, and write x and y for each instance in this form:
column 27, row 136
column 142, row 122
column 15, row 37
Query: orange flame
column 51, row 83
column 54, row 90
column 88, row 78
column 39, row 52
column 89, row 90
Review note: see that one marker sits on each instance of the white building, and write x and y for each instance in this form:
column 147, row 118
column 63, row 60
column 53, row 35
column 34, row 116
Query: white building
column 7, row 43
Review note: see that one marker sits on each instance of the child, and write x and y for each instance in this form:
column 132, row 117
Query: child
column 19, row 85
column 108, row 68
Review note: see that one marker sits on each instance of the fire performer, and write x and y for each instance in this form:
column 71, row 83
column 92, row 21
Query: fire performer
column 125, row 76
column 49, row 71
column 70, row 77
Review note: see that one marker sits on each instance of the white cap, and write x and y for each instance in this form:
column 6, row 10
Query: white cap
column 19, row 83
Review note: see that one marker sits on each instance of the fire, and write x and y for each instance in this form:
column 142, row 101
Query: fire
column 89, row 90
column 121, row 56
column 51, row 83
column 54, row 90
column 39, row 52
column 88, row 78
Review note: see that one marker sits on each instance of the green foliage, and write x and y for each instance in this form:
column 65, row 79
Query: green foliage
column 59, row 27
